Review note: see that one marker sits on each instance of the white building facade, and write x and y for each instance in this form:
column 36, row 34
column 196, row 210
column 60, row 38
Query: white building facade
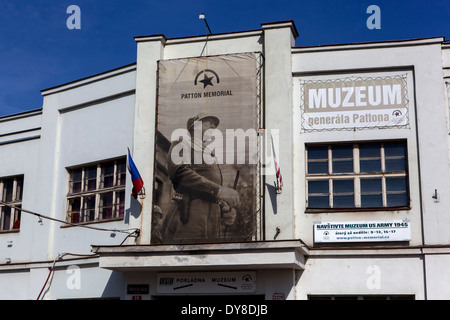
column 361, row 137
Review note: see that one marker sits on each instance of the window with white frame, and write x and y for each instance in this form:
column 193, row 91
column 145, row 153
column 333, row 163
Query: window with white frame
column 357, row 175
column 97, row 191
column 11, row 190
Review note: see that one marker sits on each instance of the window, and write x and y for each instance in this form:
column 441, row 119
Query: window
column 360, row 175
column 11, row 190
column 97, row 192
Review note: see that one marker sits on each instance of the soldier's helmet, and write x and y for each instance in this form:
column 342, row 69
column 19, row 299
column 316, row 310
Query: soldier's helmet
column 200, row 116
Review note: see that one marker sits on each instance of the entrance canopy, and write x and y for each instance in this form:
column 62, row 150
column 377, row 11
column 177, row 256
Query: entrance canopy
column 288, row 254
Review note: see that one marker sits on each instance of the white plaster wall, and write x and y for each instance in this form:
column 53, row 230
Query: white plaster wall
column 438, row 276
column 87, row 135
column 75, row 135
column 74, row 281
column 148, row 53
column 17, row 283
column 361, row 276
column 20, row 159
column 279, row 211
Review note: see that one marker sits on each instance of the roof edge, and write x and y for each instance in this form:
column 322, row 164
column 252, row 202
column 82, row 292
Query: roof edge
column 371, row 44
column 280, row 24
column 88, row 79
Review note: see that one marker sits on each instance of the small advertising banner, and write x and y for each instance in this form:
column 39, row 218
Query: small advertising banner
column 362, row 231
column 351, row 103
column 207, row 282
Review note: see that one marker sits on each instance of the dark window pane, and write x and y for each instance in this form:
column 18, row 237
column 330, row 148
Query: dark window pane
column 106, row 213
column 342, row 152
column 106, row 199
column 347, row 201
column 370, row 150
column 75, row 217
column 394, row 149
column 91, row 172
column 397, row 200
column 373, row 165
column 340, row 200
column 315, row 202
column 108, row 175
column 318, row 167
column 122, row 179
column 106, row 205
column 89, row 208
column 17, row 217
column 108, row 182
column 371, row 201
column 371, row 195
column 108, row 168
column 75, row 180
column 315, row 153
column 74, row 210
column 343, row 186
column 8, row 186
column 121, row 173
column 342, row 166
column 397, row 192
column 319, row 186
column 395, row 164
column 6, row 217
column 75, row 175
column 91, row 184
column 396, row 184
column 90, row 176
column 76, row 187
column 370, row 185
column 120, row 203
column 19, row 189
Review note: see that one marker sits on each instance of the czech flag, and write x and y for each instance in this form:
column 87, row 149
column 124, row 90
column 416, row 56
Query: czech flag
column 138, row 183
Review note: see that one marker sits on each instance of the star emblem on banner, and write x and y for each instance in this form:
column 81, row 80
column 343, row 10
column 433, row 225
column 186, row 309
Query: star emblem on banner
column 208, row 77
column 207, row 81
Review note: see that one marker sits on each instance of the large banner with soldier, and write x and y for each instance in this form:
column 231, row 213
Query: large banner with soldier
column 206, row 150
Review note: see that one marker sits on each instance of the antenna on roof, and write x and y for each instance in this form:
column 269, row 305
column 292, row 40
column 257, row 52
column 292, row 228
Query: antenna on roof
column 202, row 17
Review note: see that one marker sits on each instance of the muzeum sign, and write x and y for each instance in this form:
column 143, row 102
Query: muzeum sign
column 349, row 103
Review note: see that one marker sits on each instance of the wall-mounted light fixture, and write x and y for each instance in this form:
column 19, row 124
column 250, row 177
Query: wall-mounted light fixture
column 202, row 17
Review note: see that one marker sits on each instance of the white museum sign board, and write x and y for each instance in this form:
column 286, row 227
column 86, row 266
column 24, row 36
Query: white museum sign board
column 362, row 231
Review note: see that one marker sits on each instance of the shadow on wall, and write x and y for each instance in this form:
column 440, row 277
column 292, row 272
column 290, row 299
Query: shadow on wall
column 114, row 288
column 272, row 191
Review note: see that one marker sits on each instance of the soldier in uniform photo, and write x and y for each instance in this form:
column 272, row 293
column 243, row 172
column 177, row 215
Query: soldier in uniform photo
column 157, row 225
column 202, row 208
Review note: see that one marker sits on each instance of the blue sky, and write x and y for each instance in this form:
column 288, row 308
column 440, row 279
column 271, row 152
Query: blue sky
column 38, row 51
